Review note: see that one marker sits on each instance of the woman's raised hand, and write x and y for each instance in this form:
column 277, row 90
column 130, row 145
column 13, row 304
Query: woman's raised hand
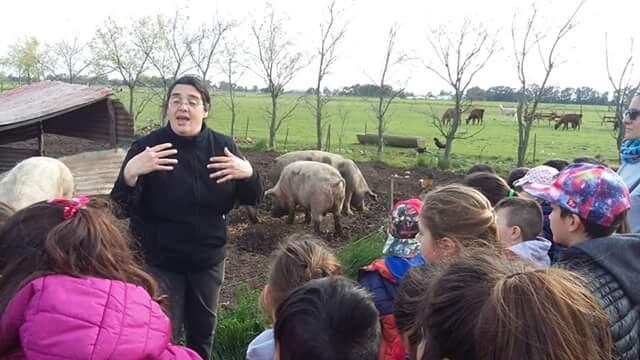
column 230, row 167
column 150, row 160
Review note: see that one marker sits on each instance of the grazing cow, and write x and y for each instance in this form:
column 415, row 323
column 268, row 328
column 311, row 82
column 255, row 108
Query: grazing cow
column 574, row 119
column 476, row 117
column 448, row 115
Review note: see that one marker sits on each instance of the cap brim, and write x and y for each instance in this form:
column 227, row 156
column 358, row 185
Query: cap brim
column 521, row 182
column 539, row 191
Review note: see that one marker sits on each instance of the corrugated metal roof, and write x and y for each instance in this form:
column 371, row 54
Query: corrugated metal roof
column 43, row 100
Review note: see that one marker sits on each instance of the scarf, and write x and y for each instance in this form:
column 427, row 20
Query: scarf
column 630, row 151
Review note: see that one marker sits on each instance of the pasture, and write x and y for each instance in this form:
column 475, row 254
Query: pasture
column 495, row 143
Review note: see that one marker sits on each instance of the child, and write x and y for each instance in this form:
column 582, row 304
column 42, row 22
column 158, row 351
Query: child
column 485, row 308
column 492, row 186
column 382, row 276
column 590, row 203
column 455, row 218
column 299, row 259
column 5, row 212
column 329, row 318
column 409, row 300
column 71, row 289
column 519, row 223
column 544, row 175
column 516, row 174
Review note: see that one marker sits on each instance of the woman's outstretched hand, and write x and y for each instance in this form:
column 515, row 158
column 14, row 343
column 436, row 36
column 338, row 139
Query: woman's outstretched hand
column 229, row 167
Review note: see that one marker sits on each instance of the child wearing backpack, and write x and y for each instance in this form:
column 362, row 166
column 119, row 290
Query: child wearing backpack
column 382, row 276
column 298, row 260
column 71, row 288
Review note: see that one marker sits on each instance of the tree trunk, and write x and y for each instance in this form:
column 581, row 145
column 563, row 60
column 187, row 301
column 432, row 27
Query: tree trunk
column 318, row 119
column 272, row 126
column 131, row 88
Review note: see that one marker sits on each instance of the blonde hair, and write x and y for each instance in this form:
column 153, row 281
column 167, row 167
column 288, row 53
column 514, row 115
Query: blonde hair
column 461, row 214
column 301, row 258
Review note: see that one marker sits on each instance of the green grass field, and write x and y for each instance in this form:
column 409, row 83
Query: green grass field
column 495, row 144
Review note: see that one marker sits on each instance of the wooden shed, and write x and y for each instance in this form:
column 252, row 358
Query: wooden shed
column 52, row 107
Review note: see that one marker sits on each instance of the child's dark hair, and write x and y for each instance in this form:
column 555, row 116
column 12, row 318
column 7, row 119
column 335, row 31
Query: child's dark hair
column 328, row 318
column 516, row 174
column 484, row 307
column 594, row 230
column 477, row 168
column 558, row 164
column 38, row 241
column 588, row 160
column 5, row 212
column 194, row 81
column 408, row 302
column 300, row 258
column 523, row 213
column 490, row 185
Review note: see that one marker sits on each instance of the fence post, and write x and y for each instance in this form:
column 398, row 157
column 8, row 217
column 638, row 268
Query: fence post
column 246, row 129
column 327, row 143
column 535, row 142
column 286, row 138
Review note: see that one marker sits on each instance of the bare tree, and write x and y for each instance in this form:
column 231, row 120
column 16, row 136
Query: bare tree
column 531, row 39
column 203, row 45
column 386, row 94
column 233, row 69
column 624, row 88
column 127, row 56
column 278, row 63
column 73, row 56
column 331, row 34
column 460, row 56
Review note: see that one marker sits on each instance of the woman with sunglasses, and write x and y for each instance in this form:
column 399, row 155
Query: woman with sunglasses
column 630, row 156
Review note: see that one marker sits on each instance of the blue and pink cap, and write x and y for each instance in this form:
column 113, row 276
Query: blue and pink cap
column 593, row 192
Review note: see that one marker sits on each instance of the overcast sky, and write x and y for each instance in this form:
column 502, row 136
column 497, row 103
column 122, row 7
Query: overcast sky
column 362, row 51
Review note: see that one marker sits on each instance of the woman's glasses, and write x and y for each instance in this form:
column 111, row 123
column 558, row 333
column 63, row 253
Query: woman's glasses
column 632, row 114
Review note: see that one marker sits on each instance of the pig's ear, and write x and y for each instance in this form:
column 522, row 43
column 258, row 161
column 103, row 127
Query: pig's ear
column 269, row 192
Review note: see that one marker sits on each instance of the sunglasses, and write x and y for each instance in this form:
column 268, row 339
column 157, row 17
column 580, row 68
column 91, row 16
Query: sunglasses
column 632, row 114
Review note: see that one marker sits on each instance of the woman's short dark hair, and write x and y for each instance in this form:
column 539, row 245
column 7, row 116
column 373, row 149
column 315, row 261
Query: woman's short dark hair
column 194, row 81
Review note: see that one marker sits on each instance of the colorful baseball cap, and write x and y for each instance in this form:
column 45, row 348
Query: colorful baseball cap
column 542, row 174
column 403, row 228
column 593, row 192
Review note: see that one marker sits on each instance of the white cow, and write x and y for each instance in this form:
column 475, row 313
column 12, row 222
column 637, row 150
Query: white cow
column 35, row 179
column 509, row 112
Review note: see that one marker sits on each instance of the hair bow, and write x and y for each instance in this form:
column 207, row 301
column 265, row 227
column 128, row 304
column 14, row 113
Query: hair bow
column 71, row 206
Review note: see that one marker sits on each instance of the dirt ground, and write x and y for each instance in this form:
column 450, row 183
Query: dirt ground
column 250, row 245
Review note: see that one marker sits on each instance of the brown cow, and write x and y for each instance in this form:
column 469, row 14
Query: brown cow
column 476, row 116
column 448, row 115
column 574, row 119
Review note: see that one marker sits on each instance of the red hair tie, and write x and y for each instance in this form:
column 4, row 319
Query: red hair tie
column 71, row 206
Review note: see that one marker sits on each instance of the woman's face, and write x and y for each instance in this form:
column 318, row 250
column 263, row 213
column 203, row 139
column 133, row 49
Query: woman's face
column 186, row 111
column 632, row 126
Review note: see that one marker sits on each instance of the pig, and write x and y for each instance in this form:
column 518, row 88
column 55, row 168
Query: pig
column 356, row 185
column 318, row 188
column 35, row 179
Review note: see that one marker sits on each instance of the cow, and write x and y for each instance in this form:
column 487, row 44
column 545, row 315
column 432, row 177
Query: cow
column 447, row 116
column 574, row 119
column 509, row 112
column 476, row 117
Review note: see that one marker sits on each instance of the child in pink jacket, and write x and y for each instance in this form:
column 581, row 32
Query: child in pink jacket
column 70, row 288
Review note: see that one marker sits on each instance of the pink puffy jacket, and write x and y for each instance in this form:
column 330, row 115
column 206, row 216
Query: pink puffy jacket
column 62, row 317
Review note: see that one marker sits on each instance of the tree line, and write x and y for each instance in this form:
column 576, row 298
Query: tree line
column 152, row 51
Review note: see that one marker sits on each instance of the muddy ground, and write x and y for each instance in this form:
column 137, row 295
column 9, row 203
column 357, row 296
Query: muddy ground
column 250, row 245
